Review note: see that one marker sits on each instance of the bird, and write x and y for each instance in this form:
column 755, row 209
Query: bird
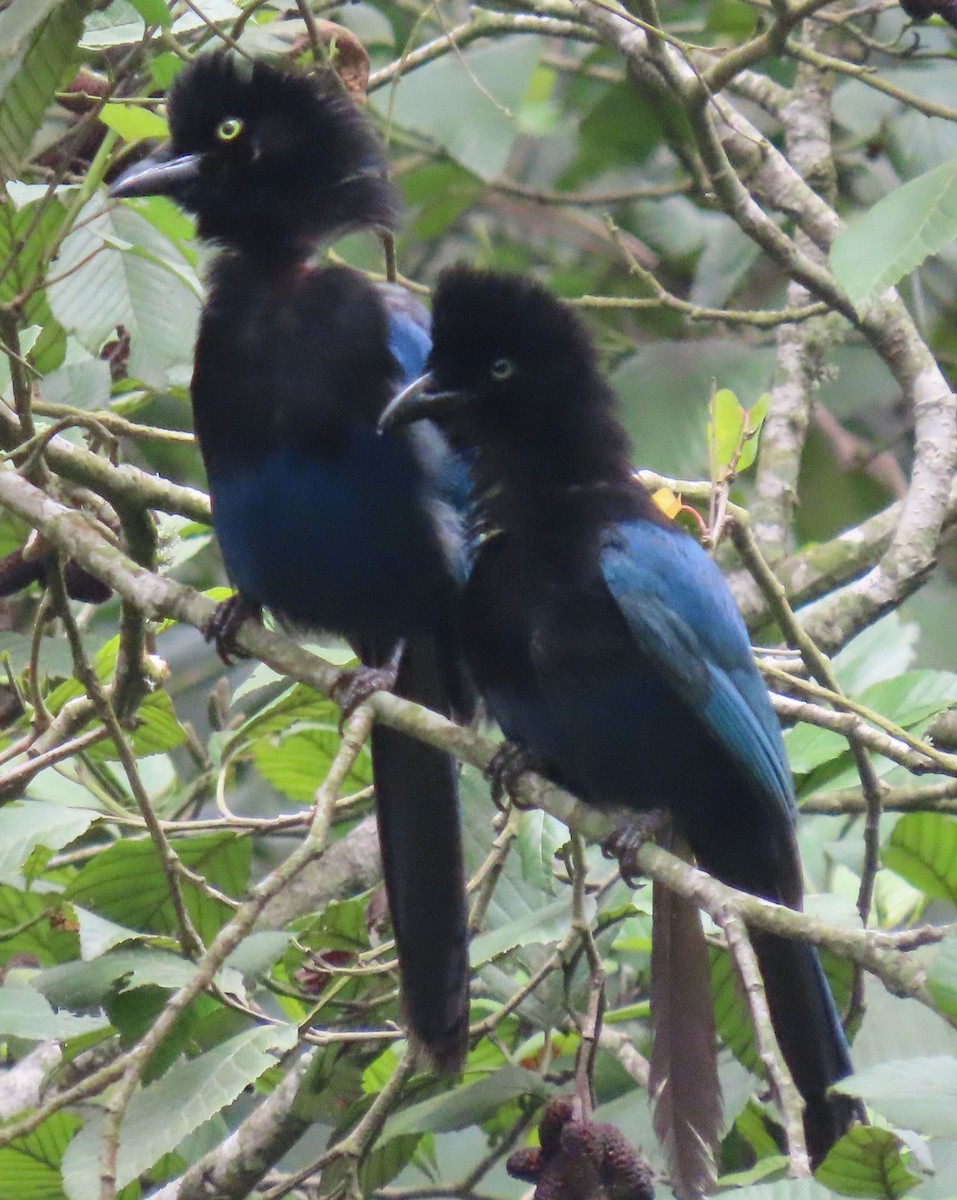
column 605, row 641
column 320, row 520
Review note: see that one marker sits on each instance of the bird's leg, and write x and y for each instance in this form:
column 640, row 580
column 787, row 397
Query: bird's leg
column 630, row 836
column 355, row 685
column 225, row 623
column 504, row 767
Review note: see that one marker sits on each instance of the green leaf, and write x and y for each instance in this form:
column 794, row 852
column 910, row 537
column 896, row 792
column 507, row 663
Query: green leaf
column 133, row 122
column 148, row 287
column 31, row 925
column 157, row 730
column 755, row 417
column 153, row 12
column 296, row 765
column 725, row 429
column 30, row 1166
column 867, row 1162
column 539, row 838
column 467, row 1106
column 915, row 1093
column 897, row 234
column 127, row 883
column 26, row 825
column 467, row 103
column 784, row 1189
column 190, row 1093
column 548, row 924
column 923, row 849
column 907, row 699
column 25, row 236
column 38, row 47
column 79, row 985
column 731, row 1014
column 25, row 1013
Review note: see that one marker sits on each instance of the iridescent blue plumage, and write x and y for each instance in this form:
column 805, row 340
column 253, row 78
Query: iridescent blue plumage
column 318, row 518
column 608, row 646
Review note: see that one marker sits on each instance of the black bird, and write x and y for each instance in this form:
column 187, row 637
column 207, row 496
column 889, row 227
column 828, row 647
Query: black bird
column 319, row 519
column 605, row 641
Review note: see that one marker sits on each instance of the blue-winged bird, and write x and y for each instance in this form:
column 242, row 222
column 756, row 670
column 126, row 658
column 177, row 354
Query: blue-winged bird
column 319, row 519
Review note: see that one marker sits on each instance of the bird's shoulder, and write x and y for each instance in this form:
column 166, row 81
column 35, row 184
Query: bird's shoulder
column 657, row 564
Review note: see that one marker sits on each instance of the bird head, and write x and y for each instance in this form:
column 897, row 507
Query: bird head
column 266, row 158
column 507, row 359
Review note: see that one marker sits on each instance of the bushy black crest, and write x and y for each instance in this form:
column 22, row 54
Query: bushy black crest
column 307, row 165
column 492, row 315
column 551, row 420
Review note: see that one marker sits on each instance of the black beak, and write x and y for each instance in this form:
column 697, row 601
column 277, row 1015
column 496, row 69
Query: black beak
column 158, row 175
column 418, row 401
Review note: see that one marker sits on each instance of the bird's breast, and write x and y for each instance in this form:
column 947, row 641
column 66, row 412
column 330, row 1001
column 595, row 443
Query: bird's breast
column 344, row 544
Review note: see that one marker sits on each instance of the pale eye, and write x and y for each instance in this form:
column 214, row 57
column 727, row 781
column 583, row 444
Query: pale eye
column 229, row 129
column 502, row 369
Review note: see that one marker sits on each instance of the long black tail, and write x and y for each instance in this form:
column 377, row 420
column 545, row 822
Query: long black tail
column 758, row 853
column 421, row 843
column 810, row 1035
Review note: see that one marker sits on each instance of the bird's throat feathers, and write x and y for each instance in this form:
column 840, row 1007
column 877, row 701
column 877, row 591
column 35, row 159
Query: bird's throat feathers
column 573, row 468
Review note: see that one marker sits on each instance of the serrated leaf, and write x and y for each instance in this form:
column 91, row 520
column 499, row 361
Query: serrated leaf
column 539, row 837
column 897, row 234
column 26, row 825
column 547, row 925
column 149, row 288
column 126, row 882
column 296, row 765
column 79, row 985
column 38, row 45
column 25, row 1013
column 190, row 1093
column 467, row 1106
column 157, row 730
column 867, row 1162
column 923, row 849
column 30, row 1166
column 467, row 103
column 916, row 1093
column 122, row 23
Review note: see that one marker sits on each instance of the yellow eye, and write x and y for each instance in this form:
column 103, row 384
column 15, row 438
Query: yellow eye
column 230, row 129
column 502, row 369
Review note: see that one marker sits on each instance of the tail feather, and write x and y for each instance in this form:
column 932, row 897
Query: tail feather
column 684, row 1075
column 421, row 844
column 809, row 1032
column 803, row 1013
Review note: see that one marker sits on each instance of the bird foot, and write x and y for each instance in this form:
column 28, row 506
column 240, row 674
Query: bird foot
column 505, row 766
column 580, row 1160
column 630, row 836
column 223, row 626
column 355, row 685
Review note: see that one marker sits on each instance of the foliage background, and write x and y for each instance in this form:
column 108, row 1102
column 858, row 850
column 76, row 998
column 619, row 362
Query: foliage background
column 684, row 190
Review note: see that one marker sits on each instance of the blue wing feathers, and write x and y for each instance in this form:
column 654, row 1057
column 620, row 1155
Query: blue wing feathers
column 680, row 612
